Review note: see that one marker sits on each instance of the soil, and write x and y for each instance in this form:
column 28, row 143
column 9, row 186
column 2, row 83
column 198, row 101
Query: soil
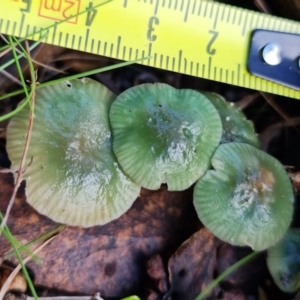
column 158, row 249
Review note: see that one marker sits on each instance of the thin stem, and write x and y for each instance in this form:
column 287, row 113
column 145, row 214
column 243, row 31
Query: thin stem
column 83, row 74
column 22, row 262
column 8, row 63
column 28, row 137
column 96, row 297
column 270, row 100
column 19, row 68
column 42, row 237
column 226, row 273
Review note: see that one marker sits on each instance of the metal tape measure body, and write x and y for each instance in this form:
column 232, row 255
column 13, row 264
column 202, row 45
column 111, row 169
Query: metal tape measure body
column 199, row 38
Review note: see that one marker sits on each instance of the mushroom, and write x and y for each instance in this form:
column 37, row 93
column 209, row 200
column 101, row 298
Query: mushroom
column 283, row 260
column 247, row 199
column 74, row 177
column 236, row 128
column 164, row 135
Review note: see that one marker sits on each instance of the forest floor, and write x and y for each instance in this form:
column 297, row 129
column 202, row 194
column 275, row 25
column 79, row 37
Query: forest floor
column 158, row 249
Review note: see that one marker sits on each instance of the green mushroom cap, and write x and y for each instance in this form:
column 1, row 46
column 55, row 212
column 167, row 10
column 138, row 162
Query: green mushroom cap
column 74, row 177
column 247, row 200
column 236, row 128
column 164, row 135
column 283, row 260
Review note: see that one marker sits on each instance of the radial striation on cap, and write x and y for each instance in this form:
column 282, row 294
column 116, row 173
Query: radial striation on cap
column 247, row 200
column 74, row 177
column 164, row 135
column 236, row 128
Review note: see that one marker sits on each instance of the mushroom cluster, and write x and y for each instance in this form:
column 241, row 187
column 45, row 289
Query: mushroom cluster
column 92, row 151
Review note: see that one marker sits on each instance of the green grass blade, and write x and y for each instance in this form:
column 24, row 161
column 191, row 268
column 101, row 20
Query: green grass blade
column 12, row 113
column 32, row 74
column 83, row 74
column 18, row 66
column 28, row 279
column 225, row 274
column 11, row 61
column 28, row 96
column 40, row 238
column 31, row 69
column 11, row 239
column 19, row 245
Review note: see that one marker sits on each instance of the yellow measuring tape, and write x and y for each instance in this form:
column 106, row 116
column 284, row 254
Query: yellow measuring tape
column 199, row 38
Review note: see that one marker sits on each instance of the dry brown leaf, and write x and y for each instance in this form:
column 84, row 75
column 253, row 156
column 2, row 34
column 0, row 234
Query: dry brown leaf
column 18, row 284
column 247, row 274
column 81, row 61
column 192, row 266
column 274, row 130
column 297, row 297
column 295, row 177
column 109, row 259
column 157, row 274
column 7, row 283
column 233, row 295
column 10, row 296
column 152, row 295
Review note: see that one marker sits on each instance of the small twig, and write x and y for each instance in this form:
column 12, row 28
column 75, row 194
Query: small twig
column 13, row 274
column 273, row 130
column 5, row 170
column 95, row 297
column 295, row 178
column 50, row 233
column 246, row 101
column 8, row 171
column 33, row 60
column 272, row 103
column 22, row 164
column 11, row 77
column 5, row 51
column 262, row 6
